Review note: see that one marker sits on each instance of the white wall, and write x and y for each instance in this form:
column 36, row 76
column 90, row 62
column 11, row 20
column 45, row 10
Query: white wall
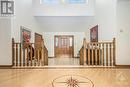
column 64, row 23
column 49, row 41
column 123, row 35
column 63, row 9
column 5, row 41
column 105, row 17
column 24, row 17
column 10, row 28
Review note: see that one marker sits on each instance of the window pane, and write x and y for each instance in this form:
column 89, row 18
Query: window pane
column 50, row 1
column 77, row 1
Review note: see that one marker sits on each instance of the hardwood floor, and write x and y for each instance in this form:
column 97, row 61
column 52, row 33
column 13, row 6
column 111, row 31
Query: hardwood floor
column 100, row 77
column 63, row 61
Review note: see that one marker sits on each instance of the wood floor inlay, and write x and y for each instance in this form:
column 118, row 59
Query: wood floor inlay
column 72, row 81
column 101, row 77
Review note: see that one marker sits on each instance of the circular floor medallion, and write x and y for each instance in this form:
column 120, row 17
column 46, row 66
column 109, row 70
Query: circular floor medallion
column 72, row 81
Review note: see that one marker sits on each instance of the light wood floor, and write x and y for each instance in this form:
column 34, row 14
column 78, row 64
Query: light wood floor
column 63, row 61
column 100, row 77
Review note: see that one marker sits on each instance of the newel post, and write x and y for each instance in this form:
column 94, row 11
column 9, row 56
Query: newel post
column 13, row 48
column 43, row 58
column 114, row 51
column 84, row 51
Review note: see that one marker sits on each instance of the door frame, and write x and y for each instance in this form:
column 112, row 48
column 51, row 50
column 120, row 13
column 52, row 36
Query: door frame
column 64, row 36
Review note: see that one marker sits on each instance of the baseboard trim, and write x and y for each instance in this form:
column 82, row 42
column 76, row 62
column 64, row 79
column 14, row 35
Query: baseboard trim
column 51, row 57
column 122, row 66
column 54, row 57
column 6, row 66
column 76, row 57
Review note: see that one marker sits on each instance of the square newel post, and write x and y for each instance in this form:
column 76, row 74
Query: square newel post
column 43, row 52
column 84, row 51
column 13, row 48
column 114, row 51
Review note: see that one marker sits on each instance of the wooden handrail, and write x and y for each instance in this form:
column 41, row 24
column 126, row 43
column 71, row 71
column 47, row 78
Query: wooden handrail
column 98, row 53
column 28, row 56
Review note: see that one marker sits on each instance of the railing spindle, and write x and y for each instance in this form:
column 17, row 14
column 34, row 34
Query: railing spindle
column 16, row 54
column 103, row 54
column 106, row 54
column 13, row 51
column 110, row 55
column 99, row 54
column 88, row 53
column 20, row 55
column 114, row 51
column 92, row 55
column 95, row 51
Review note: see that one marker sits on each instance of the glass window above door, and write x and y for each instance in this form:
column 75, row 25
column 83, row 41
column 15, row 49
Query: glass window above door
column 50, row 1
column 64, row 1
column 76, row 1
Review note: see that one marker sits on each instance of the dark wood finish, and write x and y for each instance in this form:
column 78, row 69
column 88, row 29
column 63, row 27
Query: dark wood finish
column 103, row 54
column 114, row 51
column 94, row 56
column 88, row 59
column 31, row 54
column 122, row 66
column 63, row 47
column 24, row 57
column 106, row 54
column 13, row 52
column 20, row 55
column 27, row 58
column 16, row 54
column 100, row 51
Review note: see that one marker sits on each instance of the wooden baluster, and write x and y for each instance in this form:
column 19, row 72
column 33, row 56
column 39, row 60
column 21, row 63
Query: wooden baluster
column 81, row 56
column 27, row 58
column 45, row 56
column 91, row 54
column 35, row 56
column 13, row 52
column 103, row 54
column 38, row 56
column 114, row 51
column 87, row 62
column 24, row 58
column 42, row 62
column 20, row 55
column 110, row 55
column 31, row 53
column 16, row 54
column 95, row 49
column 88, row 53
column 99, row 54
column 106, row 54
column 84, row 48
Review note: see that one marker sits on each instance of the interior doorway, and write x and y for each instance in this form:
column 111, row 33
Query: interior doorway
column 64, row 46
